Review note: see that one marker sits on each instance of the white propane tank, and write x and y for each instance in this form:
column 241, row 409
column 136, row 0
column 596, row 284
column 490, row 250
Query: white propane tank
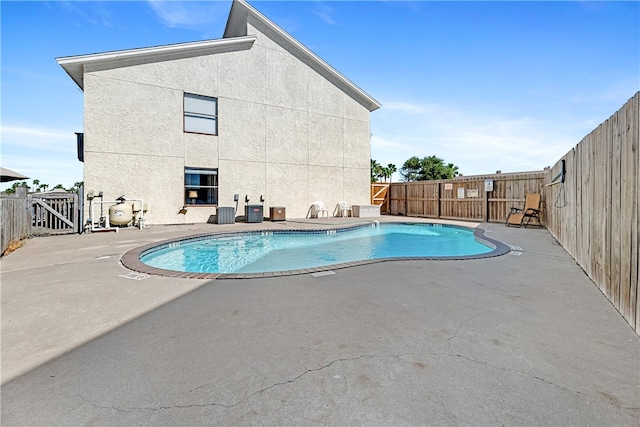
column 121, row 214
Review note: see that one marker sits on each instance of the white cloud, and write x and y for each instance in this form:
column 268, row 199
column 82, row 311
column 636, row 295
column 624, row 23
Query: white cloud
column 20, row 138
column 620, row 90
column 405, row 107
column 95, row 13
column 189, row 14
column 476, row 141
column 51, row 171
column 324, row 12
column 48, row 155
column 388, row 144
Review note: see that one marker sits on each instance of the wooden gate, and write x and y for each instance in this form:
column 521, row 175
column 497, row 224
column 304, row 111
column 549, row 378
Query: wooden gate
column 379, row 196
column 56, row 213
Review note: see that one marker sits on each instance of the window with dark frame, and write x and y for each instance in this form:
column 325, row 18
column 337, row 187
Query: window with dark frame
column 200, row 186
column 200, row 114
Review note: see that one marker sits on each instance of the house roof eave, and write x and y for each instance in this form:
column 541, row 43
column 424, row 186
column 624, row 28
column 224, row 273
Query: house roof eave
column 237, row 17
column 74, row 65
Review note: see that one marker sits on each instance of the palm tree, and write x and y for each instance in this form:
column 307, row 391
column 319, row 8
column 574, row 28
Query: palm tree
column 392, row 169
column 15, row 185
column 36, row 183
column 76, row 187
column 454, row 169
column 385, row 173
column 376, row 170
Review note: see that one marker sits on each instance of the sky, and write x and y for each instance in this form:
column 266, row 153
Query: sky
column 487, row 86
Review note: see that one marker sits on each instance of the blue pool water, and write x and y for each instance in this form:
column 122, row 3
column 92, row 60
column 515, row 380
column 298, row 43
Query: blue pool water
column 280, row 251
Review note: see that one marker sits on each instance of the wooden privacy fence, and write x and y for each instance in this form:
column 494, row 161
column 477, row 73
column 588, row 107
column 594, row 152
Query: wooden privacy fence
column 16, row 219
column 39, row 213
column 594, row 214
column 465, row 198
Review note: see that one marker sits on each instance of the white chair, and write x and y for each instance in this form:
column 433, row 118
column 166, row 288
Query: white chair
column 342, row 209
column 317, row 209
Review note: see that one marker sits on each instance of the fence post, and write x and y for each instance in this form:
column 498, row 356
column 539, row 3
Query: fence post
column 406, row 201
column 486, row 205
column 80, row 210
column 15, row 211
column 438, row 195
column 24, row 221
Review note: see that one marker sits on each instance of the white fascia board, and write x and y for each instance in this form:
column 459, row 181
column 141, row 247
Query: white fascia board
column 74, row 65
column 373, row 104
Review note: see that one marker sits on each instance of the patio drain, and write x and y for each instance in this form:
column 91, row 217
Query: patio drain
column 323, row 273
column 516, row 250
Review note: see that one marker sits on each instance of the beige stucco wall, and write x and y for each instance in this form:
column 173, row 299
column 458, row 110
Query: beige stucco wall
column 285, row 132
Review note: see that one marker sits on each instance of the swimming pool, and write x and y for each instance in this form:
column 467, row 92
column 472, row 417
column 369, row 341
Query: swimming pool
column 293, row 251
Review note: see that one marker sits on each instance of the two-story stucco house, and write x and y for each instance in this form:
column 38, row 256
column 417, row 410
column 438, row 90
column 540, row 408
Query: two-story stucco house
column 254, row 113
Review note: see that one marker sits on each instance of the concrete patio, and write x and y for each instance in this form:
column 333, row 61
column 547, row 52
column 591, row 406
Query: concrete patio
column 520, row 339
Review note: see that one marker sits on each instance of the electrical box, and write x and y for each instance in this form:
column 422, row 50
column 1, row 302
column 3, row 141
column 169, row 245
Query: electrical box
column 225, row 216
column 277, row 213
column 253, row 213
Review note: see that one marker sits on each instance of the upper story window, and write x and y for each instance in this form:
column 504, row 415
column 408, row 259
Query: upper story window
column 200, row 114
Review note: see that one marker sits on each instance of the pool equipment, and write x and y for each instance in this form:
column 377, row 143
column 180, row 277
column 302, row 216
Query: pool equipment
column 122, row 212
column 561, row 200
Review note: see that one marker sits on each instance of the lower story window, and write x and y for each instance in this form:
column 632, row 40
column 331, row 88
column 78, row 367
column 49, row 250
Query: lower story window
column 200, row 186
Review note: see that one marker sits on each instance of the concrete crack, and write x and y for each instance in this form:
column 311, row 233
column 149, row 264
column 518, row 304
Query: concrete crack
column 458, row 330
column 308, row 371
column 452, row 337
column 95, row 405
column 535, row 377
column 541, row 379
column 244, row 399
